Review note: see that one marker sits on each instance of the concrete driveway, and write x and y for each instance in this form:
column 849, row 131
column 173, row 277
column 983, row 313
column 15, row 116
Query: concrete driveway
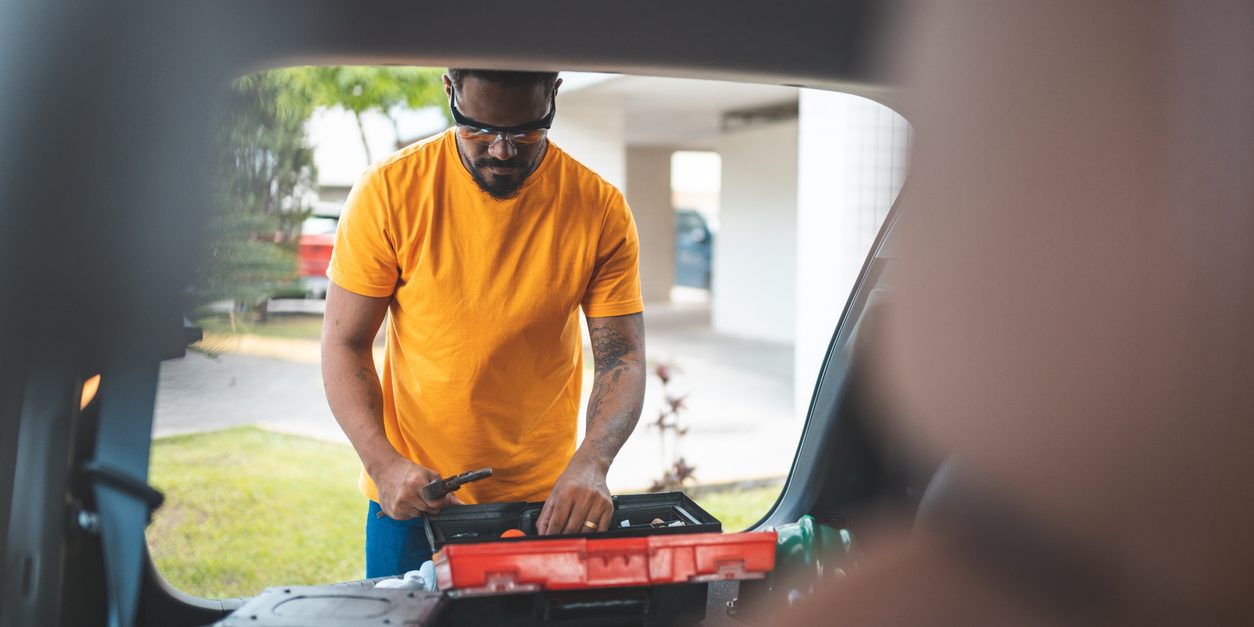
column 198, row 393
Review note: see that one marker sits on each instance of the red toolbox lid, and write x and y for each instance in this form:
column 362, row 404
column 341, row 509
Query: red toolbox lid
column 608, row 563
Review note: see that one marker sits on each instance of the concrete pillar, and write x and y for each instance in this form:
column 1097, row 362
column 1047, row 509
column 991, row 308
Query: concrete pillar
column 852, row 163
column 754, row 285
column 649, row 194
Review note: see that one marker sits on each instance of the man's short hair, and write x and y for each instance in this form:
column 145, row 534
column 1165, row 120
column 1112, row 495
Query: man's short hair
column 504, row 78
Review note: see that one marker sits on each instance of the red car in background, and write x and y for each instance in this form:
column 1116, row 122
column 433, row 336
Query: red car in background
column 317, row 238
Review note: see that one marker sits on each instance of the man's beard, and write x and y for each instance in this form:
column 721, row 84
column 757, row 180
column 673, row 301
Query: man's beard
column 503, row 188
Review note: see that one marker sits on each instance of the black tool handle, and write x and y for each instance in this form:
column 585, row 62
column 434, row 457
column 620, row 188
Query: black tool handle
column 438, row 488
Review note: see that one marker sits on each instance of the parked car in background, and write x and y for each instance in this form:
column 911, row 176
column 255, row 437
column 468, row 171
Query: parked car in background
column 317, row 238
column 694, row 249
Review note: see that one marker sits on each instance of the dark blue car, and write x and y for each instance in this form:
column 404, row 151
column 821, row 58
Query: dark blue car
column 694, row 248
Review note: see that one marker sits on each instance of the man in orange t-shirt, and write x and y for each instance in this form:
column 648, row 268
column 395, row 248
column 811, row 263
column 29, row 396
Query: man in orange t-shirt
column 483, row 243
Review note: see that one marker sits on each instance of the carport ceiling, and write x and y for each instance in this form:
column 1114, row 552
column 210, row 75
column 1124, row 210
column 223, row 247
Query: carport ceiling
column 674, row 112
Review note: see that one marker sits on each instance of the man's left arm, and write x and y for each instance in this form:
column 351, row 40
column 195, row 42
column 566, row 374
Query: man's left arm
column 581, row 498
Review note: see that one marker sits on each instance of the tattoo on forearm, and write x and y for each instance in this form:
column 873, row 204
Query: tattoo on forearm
column 610, row 346
column 619, row 424
column 616, row 400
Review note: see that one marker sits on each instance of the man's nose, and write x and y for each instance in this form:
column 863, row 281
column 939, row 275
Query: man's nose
column 502, row 149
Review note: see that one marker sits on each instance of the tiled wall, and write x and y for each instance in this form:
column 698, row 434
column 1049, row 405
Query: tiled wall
column 852, row 162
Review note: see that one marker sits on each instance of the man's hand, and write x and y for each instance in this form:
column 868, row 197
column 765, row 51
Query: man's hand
column 579, row 497
column 400, row 485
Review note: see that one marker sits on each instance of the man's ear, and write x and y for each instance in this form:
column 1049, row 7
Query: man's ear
column 448, row 86
column 557, row 83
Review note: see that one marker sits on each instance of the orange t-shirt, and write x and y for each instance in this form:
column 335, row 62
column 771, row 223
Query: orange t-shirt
column 484, row 359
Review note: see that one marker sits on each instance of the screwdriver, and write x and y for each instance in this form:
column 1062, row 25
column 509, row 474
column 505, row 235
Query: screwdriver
column 440, row 487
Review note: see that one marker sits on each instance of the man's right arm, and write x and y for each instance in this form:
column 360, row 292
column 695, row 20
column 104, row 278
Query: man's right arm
column 356, row 399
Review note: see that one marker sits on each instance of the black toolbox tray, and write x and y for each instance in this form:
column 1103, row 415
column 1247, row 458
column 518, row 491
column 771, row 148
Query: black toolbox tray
column 466, row 524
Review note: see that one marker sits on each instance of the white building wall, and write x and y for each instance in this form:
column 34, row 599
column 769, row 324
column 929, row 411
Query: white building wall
column 696, row 180
column 338, row 153
column 754, row 293
column 852, row 164
column 593, row 131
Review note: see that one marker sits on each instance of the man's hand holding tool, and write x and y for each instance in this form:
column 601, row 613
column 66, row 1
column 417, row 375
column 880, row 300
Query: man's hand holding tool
column 408, row 490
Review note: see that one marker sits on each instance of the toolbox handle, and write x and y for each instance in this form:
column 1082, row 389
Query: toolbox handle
column 559, row 608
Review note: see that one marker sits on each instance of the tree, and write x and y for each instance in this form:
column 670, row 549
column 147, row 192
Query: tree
column 264, row 186
column 380, row 90
column 266, row 182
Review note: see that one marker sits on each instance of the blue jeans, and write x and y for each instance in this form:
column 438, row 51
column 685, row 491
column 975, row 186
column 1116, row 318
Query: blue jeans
column 394, row 547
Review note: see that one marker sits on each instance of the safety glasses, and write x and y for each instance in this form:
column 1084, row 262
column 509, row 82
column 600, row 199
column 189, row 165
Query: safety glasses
column 487, row 135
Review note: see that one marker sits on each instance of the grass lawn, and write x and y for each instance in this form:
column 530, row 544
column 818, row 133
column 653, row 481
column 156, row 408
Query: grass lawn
column 287, row 326
column 739, row 508
column 246, row 509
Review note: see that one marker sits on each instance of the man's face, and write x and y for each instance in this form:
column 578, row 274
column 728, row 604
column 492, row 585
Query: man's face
column 502, row 167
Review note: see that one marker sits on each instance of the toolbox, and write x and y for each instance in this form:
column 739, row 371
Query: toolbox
column 654, row 580
column 653, row 566
column 635, row 515
column 581, row 563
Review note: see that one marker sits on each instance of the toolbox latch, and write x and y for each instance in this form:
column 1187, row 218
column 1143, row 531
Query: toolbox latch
column 497, row 583
column 729, row 570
